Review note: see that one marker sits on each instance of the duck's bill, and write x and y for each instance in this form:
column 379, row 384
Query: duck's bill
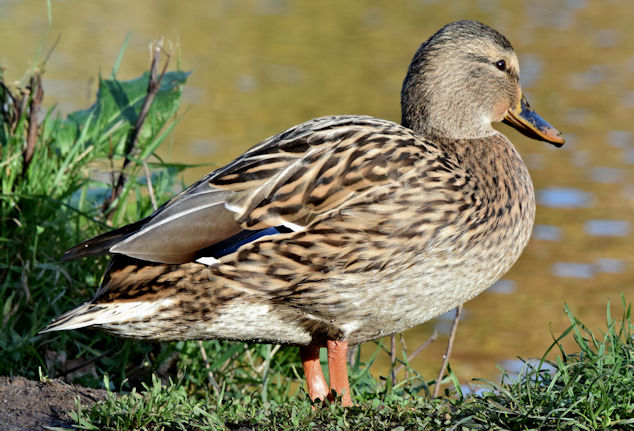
column 523, row 118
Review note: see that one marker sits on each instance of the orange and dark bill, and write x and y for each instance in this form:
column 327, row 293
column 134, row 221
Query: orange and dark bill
column 528, row 122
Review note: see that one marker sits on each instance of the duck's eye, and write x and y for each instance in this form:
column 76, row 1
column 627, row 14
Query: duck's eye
column 501, row 64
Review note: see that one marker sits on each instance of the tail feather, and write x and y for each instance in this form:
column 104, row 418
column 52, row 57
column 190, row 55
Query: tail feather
column 113, row 313
column 75, row 318
column 102, row 244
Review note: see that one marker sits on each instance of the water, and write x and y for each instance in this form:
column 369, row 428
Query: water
column 263, row 66
column 542, row 232
column 619, row 138
column 608, row 228
column 504, row 286
column 605, row 174
column 564, row 197
column 610, row 266
column 517, row 369
column 573, row 270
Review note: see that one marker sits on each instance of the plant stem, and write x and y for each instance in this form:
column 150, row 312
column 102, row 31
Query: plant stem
column 37, row 94
column 154, row 84
column 418, row 350
column 445, row 358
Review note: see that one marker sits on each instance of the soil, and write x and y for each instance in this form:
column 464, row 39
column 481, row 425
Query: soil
column 29, row 405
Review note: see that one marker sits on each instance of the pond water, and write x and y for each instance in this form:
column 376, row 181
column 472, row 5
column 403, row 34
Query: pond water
column 262, row 66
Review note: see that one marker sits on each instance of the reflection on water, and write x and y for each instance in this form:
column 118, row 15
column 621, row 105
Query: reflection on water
column 603, row 174
column 531, row 69
column 443, row 323
column 619, row 138
column 594, row 75
column 518, row 368
column 577, row 117
column 514, row 370
column 608, row 38
column 193, row 95
column 580, row 158
column 587, row 270
column 261, row 66
column 534, row 161
column 627, row 99
column 564, row 197
column 503, row 286
column 610, row 266
column 608, row 227
column 204, row 147
column 542, row 232
column 573, row 269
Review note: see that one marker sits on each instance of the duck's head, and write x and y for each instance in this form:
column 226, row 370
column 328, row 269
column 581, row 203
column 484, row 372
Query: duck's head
column 462, row 79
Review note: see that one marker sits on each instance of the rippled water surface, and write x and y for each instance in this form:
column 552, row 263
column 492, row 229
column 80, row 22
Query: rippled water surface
column 262, row 66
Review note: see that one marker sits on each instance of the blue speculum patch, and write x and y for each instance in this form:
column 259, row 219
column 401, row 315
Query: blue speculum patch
column 236, row 241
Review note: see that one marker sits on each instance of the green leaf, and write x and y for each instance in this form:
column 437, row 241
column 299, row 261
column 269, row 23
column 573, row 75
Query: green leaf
column 117, row 108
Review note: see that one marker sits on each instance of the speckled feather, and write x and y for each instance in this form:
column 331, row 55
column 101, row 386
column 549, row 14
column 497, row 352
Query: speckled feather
column 387, row 226
column 389, row 218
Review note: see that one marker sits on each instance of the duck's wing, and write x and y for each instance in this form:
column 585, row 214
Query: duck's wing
column 285, row 182
column 191, row 220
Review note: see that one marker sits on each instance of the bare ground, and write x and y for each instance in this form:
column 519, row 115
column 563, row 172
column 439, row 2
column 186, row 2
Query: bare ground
column 29, row 405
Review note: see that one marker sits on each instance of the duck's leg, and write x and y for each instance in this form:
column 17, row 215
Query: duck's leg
column 317, row 388
column 338, row 370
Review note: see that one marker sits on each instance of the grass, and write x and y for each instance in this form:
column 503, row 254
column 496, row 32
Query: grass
column 588, row 389
column 57, row 177
column 55, row 174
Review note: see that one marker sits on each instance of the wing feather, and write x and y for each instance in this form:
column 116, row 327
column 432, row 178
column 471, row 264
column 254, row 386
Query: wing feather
column 291, row 179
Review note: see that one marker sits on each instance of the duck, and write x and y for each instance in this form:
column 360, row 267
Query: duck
column 342, row 229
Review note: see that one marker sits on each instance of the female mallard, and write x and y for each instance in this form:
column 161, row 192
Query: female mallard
column 342, row 229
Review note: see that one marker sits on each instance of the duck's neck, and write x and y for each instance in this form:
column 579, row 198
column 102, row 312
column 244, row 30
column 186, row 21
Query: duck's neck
column 488, row 157
column 446, row 120
column 501, row 195
column 499, row 170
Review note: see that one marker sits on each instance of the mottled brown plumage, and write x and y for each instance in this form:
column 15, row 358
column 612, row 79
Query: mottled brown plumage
column 378, row 226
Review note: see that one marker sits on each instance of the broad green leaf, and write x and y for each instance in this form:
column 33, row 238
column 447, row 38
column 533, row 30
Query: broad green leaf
column 116, row 110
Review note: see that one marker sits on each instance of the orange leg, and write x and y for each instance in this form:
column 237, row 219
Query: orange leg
column 317, row 388
column 338, row 370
